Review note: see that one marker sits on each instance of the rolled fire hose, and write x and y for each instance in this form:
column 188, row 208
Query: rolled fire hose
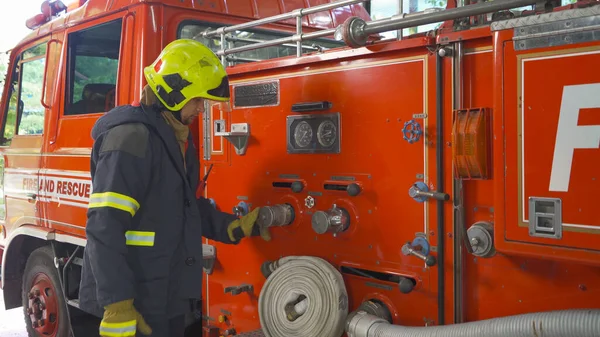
column 565, row 323
column 304, row 296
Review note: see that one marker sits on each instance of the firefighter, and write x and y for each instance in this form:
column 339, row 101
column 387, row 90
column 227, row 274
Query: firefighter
column 143, row 259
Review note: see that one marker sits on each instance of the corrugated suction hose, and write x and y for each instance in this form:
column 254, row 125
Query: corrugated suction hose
column 566, row 323
column 303, row 296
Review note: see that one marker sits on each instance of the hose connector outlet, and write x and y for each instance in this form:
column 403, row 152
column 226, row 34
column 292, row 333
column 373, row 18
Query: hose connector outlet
column 360, row 322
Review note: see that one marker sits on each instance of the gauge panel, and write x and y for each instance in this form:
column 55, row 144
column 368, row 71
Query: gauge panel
column 318, row 133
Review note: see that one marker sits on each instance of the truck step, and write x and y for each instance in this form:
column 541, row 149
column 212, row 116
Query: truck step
column 73, row 303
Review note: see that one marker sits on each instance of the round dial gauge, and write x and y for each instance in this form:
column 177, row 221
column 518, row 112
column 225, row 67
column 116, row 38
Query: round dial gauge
column 303, row 134
column 327, row 133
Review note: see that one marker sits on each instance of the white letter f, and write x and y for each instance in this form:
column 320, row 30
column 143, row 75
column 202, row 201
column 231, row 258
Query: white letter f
column 569, row 136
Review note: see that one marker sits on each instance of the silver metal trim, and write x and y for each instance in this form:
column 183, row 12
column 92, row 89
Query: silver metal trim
column 570, row 31
column 206, row 131
column 563, row 26
column 545, row 18
column 549, row 210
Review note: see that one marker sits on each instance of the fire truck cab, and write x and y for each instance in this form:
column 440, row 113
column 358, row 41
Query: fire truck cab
column 429, row 173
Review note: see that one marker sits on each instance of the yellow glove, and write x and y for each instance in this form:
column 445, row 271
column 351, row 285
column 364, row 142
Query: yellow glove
column 247, row 225
column 122, row 320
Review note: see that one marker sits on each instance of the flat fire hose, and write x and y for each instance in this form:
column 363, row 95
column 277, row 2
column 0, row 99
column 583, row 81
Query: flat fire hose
column 303, row 297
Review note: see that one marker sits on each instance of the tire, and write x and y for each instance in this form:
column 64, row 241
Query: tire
column 42, row 296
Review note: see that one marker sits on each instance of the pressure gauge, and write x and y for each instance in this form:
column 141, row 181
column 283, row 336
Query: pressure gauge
column 315, row 133
column 303, row 134
column 327, row 133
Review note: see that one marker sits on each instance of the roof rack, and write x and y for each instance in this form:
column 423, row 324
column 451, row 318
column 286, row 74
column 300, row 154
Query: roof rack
column 298, row 14
column 355, row 31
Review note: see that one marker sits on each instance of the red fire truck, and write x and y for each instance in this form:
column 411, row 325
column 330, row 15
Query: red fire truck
column 432, row 173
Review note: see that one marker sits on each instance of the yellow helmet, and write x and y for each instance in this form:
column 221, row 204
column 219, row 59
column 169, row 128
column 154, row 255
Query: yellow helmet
column 187, row 69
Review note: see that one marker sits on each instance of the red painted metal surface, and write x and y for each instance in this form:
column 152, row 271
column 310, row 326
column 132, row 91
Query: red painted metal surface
column 372, row 122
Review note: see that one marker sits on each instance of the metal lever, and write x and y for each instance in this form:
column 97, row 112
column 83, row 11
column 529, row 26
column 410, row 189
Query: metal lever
column 408, row 249
column 434, row 195
column 209, row 256
column 420, row 192
column 241, row 209
column 236, row 290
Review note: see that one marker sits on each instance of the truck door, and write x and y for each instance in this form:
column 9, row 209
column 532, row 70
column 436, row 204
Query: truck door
column 23, row 110
column 88, row 75
column 554, row 135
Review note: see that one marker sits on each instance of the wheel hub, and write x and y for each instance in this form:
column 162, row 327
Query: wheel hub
column 43, row 306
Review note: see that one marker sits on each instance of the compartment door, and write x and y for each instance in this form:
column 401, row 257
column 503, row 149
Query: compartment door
column 552, row 123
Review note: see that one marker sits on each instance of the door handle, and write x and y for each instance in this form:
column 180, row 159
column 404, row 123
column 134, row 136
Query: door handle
column 31, row 197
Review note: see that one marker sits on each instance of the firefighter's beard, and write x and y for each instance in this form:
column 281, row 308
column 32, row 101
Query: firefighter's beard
column 191, row 110
column 190, row 119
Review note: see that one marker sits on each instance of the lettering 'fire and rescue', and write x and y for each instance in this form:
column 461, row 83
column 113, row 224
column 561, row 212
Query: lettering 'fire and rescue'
column 58, row 187
column 52, row 186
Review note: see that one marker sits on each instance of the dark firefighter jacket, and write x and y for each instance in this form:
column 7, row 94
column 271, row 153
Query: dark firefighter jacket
column 145, row 225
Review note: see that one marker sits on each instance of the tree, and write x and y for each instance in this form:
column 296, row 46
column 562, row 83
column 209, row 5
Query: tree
column 437, row 3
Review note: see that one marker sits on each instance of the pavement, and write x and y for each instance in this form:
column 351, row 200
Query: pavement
column 12, row 323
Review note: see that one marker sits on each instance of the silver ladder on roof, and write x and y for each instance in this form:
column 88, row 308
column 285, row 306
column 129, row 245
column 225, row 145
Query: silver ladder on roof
column 297, row 38
column 355, row 31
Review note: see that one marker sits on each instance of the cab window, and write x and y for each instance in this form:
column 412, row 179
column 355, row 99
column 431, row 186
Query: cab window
column 25, row 112
column 93, row 61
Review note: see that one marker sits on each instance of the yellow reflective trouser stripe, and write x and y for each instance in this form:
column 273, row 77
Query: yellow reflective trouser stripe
column 137, row 238
column 123, row 329
column 114, row 200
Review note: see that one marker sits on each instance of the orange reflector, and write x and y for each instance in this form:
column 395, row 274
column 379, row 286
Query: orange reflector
column 471, row 143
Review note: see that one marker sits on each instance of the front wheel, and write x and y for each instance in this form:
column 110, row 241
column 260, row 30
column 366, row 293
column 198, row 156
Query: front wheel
column 43, row 302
